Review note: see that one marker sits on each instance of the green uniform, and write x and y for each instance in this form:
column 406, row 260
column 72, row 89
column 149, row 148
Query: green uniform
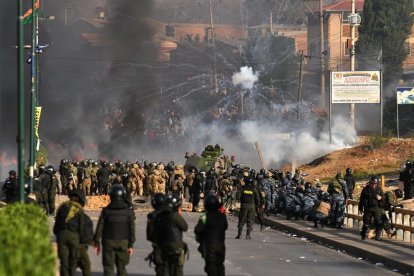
column 83, row 261
column 249, row 199
column 168, row 229
column 116, row 229
column 68, row 229
column 372, row 208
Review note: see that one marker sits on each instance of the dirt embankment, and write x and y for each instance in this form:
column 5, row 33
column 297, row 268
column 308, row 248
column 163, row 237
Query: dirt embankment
column 364, row 159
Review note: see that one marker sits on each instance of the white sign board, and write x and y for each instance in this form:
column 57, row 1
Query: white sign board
column 405, row 95
column 356, row 87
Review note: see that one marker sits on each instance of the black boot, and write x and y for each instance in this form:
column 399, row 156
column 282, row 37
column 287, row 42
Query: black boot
column 248, row 234
column 364, row 231
column 378, row 232
column 239, row 233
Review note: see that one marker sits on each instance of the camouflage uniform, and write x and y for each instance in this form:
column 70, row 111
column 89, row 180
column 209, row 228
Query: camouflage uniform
column 339, row 194
column 87, row 181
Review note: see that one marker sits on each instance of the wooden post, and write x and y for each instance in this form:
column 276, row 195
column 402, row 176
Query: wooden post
column 407, row 222
column 259, row 152
column 400, row 232
column 382, row 182
column 356, row 222
column 350, row 221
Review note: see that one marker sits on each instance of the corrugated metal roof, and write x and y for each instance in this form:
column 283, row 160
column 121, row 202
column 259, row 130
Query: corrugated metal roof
column 344, row 5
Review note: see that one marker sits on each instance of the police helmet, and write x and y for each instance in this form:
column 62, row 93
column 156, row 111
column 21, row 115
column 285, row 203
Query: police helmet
column 173, row 201
column 249, row 181
column 49, row 169
column 79, row 194
column 158, row 200
column 253, row 172
column 374, row 179
column 12, row 173
column 117, row 192
column 211, row 203
column 348, row 171
column 42, row 168
column 408, row 163
column 308, row 185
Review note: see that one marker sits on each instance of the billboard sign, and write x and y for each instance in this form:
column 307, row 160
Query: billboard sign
column 356, row 87
column 405, row 95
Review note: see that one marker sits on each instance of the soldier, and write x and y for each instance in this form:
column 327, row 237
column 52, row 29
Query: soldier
column 293, row 203
column 211, row 186
column 261, row 206
column 339, row 194
column 350, row 182
column 134, row 178
column 310, row 199
column 116, row 231
column 43, row 189
column 94, row 178
column 103, row 178
column 68, row 228
column 10, row 187
column 297, row 178
column 226, row 190
column 390, row 202
column 81, row 175
column 268, row 185
column 74, row 172
column 407, row 177
column 196, row 190
column 64, row 172
column 321, row 211
column 169, row 226
column 87, row 181
column 128, row 186
column 177, row 186
column 157, row 183
column 210, row 233
column 189, row 179
column 158, row 202
column 141, row 178
column 370, row 204
column 249, row 199
column 164, row 175
column 53, row 189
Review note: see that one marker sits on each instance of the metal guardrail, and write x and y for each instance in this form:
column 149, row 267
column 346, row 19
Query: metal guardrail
column 402, row 220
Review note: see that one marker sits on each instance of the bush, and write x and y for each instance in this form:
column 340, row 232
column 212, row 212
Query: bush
column 25, row 241
column 377, row 141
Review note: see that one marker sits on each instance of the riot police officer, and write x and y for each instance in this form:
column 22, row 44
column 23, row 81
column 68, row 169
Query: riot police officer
column 350, row 182
column 249, row 199
column 370, row 204
column 10, row 187
column 115, row 232
column 210, row 233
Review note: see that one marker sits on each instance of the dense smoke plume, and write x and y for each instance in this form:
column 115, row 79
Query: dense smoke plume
column 246, row 77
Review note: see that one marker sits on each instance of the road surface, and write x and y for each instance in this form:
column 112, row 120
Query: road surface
column 270, row 252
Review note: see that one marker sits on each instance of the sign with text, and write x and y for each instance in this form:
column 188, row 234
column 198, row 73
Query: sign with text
column 405, row 95
column 356, row 87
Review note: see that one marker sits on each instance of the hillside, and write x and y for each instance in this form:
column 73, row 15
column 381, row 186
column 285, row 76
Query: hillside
column 364, row 159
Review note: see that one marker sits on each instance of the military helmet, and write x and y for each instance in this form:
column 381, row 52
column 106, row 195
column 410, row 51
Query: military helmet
column 348, row 171
column 338, row 175
column 79, row 194
column 262, row 171
column 374, row 179
column 158, row 200
column 117, row 192
column 174, row 201
column 211, row 203
column 253, row 172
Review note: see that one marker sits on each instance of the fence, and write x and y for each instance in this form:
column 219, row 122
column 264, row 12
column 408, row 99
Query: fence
column 402, row 220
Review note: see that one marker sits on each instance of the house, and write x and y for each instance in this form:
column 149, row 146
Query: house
column 337, row 35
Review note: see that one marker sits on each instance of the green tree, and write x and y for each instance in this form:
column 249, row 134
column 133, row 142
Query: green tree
column 386, row 25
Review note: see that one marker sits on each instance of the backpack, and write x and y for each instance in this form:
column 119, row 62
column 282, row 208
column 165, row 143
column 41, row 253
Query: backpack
column 87, row 235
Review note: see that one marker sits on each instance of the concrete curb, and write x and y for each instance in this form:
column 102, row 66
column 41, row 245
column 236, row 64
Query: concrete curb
column 352, row 250
column 349, row 249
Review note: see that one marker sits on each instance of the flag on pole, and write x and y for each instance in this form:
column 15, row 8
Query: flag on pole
column 28, row 16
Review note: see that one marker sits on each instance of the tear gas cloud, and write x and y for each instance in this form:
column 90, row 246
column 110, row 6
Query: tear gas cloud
column 246, row 77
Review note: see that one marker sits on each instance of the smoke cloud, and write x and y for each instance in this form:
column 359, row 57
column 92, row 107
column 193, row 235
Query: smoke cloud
column 246, row 77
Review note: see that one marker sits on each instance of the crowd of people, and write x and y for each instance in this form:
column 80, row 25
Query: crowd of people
column 259, row 194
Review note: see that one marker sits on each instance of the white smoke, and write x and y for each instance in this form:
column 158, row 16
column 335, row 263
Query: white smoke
column 246, row 77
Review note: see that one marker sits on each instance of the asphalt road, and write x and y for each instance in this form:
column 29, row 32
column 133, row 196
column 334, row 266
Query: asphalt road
column 270, row 252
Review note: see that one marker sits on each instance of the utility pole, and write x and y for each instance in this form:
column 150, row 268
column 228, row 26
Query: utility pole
column 302, row 57
column 214, row 48
column 271, row 23
column 353, row 26
column 33, row 92
column 20, row 100
column 322, row 54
